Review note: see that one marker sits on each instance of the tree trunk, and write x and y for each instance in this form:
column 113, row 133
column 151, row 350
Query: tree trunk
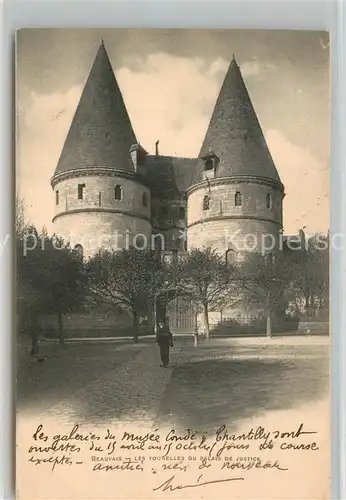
column 152, row 318
column 32, row 328
column 34, row 340
column 307, row 303
column 135, row 327
column 269, row 324
column 206, row 321
column 61, row 330
column 195, row 339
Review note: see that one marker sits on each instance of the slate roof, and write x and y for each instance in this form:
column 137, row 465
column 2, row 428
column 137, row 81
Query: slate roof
column 169, row 176
column 234, row 133
column 101, row 133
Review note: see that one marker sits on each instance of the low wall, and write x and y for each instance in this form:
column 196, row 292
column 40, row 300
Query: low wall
column 94, row 324
column 221, row 325
column 315, row 327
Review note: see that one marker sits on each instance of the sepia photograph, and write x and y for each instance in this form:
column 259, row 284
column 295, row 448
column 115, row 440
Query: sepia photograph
column 172, row 264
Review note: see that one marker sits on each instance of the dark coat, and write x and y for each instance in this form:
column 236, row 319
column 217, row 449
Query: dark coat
column 164, row 337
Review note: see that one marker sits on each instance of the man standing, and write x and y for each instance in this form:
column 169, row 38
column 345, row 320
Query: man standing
column 165, row 341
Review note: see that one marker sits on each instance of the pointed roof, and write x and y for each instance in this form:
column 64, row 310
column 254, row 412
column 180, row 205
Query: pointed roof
column 101, row 133
column 234, row 133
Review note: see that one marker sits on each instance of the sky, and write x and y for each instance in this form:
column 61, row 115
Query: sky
column 170, row 80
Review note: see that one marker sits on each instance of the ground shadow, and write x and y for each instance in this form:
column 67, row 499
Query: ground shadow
column 213, row 392
column 65, row 371
column 209, row 386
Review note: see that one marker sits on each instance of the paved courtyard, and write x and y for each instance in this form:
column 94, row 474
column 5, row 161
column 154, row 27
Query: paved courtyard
column 220, row 381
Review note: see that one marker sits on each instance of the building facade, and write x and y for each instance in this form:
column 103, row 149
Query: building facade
column 109, row 191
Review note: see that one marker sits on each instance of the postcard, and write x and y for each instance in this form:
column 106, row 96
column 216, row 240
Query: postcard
column 172, row 246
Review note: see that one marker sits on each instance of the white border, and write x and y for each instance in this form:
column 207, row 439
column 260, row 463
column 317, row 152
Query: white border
column 270, row 14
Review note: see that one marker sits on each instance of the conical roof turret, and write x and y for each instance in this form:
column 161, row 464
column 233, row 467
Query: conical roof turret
column 235, row 135
column 101, row 133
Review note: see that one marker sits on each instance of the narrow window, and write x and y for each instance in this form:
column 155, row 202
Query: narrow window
column 269, row 262
column 118, row 192
column 181, row 213
column 269, row 200
column 81, row 188
column 145, row 200
column 238, row 199
column 206, row 201
column 57, row 197
column 100, row 199
column 164, row 211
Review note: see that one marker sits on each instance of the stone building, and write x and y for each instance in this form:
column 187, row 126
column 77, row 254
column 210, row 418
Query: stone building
column 109, row 190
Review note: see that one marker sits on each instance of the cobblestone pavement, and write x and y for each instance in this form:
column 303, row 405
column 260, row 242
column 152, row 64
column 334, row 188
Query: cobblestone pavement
column 210, row 384
column 131, row 393
column 65, row 371
column 212, row 388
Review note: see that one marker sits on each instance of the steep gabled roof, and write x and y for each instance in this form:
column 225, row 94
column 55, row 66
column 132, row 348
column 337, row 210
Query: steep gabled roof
column 234, row 133
column 169, row 176
column 101, row 133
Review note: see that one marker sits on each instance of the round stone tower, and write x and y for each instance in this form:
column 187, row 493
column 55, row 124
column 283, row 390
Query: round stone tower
column 102, row 195
column 235, row 199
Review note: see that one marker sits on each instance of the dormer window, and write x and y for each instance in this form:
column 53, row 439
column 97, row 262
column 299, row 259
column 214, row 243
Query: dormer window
column 238, row 199
column 206, row 203
column 118, row 192
column 269, row 201
column 211, row 162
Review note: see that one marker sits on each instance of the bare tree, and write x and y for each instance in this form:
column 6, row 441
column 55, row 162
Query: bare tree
column 209, row 279
column 129, row 279
column 20, row 222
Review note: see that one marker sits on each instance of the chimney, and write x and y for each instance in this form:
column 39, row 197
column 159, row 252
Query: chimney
column 157, row 148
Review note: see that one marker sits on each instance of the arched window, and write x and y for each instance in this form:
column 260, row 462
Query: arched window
column 79, row 251
column 57, row 197
column 145, row 200
column 269, row 200
column 238, row 199
column 206, row 202
column 229, row 256
column 157, row 242
column 118, row 192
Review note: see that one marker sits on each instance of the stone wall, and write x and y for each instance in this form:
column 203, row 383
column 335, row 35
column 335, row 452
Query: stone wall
column 238, row 235
column 222, row 202
column 225, row 225
column 102, row 220
column 99, row 192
